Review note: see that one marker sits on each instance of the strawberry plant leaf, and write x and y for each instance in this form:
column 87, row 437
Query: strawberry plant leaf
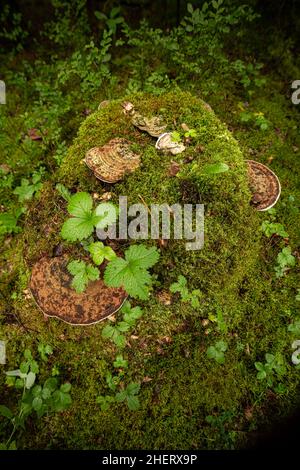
column 83, row 273
column 131, row 273
column 100, row 252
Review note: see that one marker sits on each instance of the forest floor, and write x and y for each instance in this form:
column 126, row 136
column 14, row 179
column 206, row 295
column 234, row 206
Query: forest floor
column 187, row 399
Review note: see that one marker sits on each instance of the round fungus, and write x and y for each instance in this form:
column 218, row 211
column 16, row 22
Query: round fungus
column 50, row 286
column 264, row 184
column 112, row 161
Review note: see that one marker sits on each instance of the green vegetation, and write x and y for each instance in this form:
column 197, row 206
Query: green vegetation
column 210, row 365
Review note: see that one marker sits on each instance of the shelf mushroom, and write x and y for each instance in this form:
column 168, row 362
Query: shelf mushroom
column 264, row 184
column 50, row 286
column 113, row 160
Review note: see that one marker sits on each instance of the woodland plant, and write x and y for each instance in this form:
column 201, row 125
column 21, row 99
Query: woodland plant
column 46, row 398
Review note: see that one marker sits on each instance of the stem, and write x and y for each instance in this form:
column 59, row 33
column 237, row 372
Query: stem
column 19, row 416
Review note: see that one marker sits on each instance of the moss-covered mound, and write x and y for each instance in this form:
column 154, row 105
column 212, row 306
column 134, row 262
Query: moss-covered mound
column 230, row 223
column 167, row 350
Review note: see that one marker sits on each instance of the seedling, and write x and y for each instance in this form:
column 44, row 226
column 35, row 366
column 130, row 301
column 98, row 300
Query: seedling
column 285, row 260
column 216, row 352
column 115, row 333
column 100, row 252
column 274, row 366
column 83, row 273
column 45, row 350
column 26, row 190
column 129, row 395
column 186, row 296
column 273, row 228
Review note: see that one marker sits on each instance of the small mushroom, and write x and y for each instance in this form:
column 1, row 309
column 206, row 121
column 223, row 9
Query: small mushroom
column 264, row 185
column 50, row 286
column 166, row 144
column 112, row 161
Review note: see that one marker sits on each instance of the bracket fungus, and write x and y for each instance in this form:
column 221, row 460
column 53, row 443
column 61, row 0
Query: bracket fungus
column 50, row 286
column 111, row 162
column 154, row 125
column 264, row 184
column 167, row 145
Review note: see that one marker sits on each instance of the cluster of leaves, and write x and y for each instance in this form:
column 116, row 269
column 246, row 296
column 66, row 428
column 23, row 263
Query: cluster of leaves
column 116, row 332
column 179, row 136
column 41, row 399
column 217, row 351
column 274, row 367
column 258, row 119
column 219, row 320
column 181, row 286
column 27, row 189
column 273, row 228
column 127, row 394
column 249, row 75
column 285, row 260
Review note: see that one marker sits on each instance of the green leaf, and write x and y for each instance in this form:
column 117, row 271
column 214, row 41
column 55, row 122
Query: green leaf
column 77, row 228
column 261, row 375
column 44, row 350
column 133, row 403
column 131, row 314
column 25, row 191
column 84, row 219
column 4, row 411
column 80, row 204
column 175, row 136
column 83, row 273
column 120, row 362
column 51, row 384
column 285, row 258
column 30, row 379
column 107, row 214
column 37, row 403
column 221, row 346
column 100, row 252
column 215, row 168
column 131, row 272
column 133, row 388
column 108, row 332
column 65, row 388
column 142, row 257
column 37, row 390
column 105, row 402
column 63, row 191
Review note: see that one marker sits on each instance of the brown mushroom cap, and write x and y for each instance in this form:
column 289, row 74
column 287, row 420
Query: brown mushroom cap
column 112, row 161
column 50, row 286
column 264, row 184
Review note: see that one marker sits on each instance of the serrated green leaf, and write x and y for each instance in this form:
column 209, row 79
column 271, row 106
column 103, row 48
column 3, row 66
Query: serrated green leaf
column 107, row 214
column 83, row 273
column 100, row 252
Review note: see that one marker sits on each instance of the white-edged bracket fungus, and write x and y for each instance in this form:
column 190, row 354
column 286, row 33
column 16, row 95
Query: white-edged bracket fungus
column 50, row 286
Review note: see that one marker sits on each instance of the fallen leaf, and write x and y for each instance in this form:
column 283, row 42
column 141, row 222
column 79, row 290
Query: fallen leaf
column 34, row 134
column 174, row 168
